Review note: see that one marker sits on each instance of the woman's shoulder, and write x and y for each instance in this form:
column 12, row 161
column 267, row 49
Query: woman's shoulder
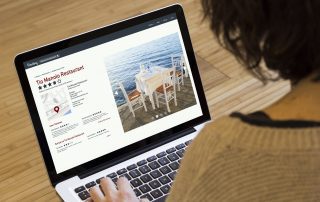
column 260, row 133
column 226, row 127
column 229, row 153
column 216, row 135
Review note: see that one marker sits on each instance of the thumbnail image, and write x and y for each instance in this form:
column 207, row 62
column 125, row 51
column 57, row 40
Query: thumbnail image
column 150, row 81
column 56, row 103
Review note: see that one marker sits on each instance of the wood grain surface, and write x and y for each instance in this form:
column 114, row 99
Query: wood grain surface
column 25, row 24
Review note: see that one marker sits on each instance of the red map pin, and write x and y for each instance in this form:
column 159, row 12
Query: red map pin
column 56, row 109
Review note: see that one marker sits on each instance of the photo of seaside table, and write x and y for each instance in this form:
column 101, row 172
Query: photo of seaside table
column 147, row 82
column 143, row 69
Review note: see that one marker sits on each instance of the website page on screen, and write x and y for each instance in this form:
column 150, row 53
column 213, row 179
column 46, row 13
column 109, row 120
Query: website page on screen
column 93, row 101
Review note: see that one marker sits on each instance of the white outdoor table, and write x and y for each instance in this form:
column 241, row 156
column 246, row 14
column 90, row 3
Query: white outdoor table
column 148, row 81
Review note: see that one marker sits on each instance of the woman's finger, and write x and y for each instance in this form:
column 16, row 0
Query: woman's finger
column 109, row 188
column 96, row 194
column 125, row 189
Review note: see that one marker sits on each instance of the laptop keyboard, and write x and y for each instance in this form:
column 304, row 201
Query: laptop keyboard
column 150, row 178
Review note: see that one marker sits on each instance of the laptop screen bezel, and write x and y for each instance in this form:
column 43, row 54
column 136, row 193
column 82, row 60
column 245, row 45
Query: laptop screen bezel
column 133, row 148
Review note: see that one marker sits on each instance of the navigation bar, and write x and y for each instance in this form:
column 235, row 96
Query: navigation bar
column 98, row 41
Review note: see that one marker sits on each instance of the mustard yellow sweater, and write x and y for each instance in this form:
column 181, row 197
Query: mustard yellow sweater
column 231, row 160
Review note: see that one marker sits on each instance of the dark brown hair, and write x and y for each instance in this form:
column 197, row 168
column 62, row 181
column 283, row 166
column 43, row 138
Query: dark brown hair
column 285, row 33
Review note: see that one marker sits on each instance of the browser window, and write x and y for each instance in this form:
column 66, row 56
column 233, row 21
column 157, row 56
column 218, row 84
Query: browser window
column 102, row 95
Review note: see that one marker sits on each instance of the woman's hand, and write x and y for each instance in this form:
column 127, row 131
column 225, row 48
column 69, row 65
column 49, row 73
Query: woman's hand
column 124, row 192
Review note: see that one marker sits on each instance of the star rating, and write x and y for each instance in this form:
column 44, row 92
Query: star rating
column 101, row 131
column 96, row 113
column 64, row 125
column 48, row 85
column 66, row 144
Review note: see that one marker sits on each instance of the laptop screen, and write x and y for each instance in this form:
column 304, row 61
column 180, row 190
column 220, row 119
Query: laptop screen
column 104, row 94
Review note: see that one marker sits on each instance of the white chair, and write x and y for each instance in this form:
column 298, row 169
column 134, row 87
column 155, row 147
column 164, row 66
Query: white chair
column 167, row 91
column 178, row 62
column 134, row 99
column 184, row 67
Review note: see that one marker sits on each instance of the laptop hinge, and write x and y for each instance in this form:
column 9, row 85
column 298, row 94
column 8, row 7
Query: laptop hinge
column 136, row 153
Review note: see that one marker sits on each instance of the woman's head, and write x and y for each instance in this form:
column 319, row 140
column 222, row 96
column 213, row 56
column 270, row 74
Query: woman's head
column 283, row 33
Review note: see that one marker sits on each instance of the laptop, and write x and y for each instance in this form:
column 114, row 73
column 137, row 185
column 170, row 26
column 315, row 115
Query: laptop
column 121, row 100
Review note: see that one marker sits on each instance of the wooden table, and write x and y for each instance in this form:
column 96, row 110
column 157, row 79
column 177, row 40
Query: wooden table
column 27, row 24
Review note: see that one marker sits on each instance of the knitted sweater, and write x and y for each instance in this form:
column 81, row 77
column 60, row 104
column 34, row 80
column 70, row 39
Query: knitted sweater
column 232, row 160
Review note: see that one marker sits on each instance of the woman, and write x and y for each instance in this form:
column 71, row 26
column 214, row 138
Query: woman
column 255, row 157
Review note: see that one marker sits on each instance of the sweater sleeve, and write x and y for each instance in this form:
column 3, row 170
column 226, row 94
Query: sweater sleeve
column 233, row 161
column 194, row 164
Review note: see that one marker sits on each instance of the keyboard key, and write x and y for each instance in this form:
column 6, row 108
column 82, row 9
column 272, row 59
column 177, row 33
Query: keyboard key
column 137, row 192
column 164, row 180
column 144, row 169
column 163, row 161
column 148, row 196
column 180, row 146
column 155, row 184
column 126, row 175
column 84, row 195
column 161, row 154
column 140, row 163
column 145, row 188
column 173, row 157
column 156, row 193
column 98, row 180
column 131, row 167
column 154, row 165
column 165, row 170
column 90, row 184
column 169, row 151
column 188, row 142
column 174, row 165
column 173, row 175
column 146, row 178
column 155, row 174
column 161, row 199
column 134, row 173
column 136, row 182
column 112, row 175
column 180, row 153
column 151, row 158
column 121, row 171
column 165, row 189
column 79, row 189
